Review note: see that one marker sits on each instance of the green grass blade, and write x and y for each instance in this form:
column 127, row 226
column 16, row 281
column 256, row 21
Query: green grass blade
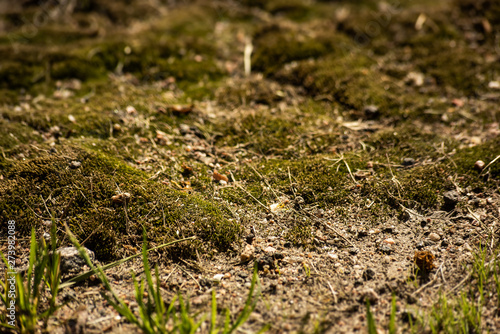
column 213, row 316
column 250, row 303
column 392, row 321
column 372, row 328
column 91, row 272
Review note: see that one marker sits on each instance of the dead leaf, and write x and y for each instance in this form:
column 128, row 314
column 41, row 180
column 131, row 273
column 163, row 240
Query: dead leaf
column 121, row 198
column 424, row 260
column 458, row 102
column 186, row 169
column 220, row 177
column 178, row 109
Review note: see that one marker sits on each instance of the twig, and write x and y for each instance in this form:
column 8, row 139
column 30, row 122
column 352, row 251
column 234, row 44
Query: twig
column 291, row 183
column 430, row 282
column 327, row 226
column 338, row 233
column 488, row 165
column 194, row 279
column 247, row 56
column 265, row 180
column 342, row 158
column 333, row 292
column 350, row 173
column 393, row 179
column 245, row 191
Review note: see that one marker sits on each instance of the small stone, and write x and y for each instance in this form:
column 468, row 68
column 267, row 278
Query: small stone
column 389, row 241
column 451, row 198
column 249, row 238
column 409, row 316
column 369, row 164
column 218, row 277
column 434, row 237
column 494, row 85
column 75, row 164
column 227, row 275
column 371, row 112
column 467, row 247
column 408, row 162
column 197, row 301
column 333, row 256
column 131, row 110
column 71, row 262
column 121, row 198
column 270, row 250
column 420, row 245
column 415, row 78
column 479, row 165
column 278, row 256
column 368, row 274
column 248, row 253
column 353, row 251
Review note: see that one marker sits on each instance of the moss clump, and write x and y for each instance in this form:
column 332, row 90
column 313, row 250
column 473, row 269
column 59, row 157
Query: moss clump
column 454, row 67
column 16, row 74
column 300, row 233
column 14, row 134
column 312, row 178
column 419, row 188
column 275, row 46
column 409, row 141
column 82, row 197
column 351, row 80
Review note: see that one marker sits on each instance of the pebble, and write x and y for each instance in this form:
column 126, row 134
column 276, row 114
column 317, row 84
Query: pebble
column 248, row 253
column 434, row 237
column 451, row 198
column 218, row 277
column 368, row 274
column 270, row 250
column 333, row 256
column 408, row 162
column 371, row 112
column 75, row 164
column 479, row 165
column 71, row 262
column 494, row 85
column 353, row 251
column 389, row 241
column 467, row 247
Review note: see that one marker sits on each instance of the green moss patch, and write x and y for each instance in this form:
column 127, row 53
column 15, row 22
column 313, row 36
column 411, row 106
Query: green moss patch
column 82, row 197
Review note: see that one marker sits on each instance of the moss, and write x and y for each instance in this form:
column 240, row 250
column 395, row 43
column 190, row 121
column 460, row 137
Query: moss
column 300, row 233
column 275, row 46
column 15, row 74
column 409, row 141
column 14, row 134
column 82, row 198
column 314, row 179
column 350, row 80
column 450, row 66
